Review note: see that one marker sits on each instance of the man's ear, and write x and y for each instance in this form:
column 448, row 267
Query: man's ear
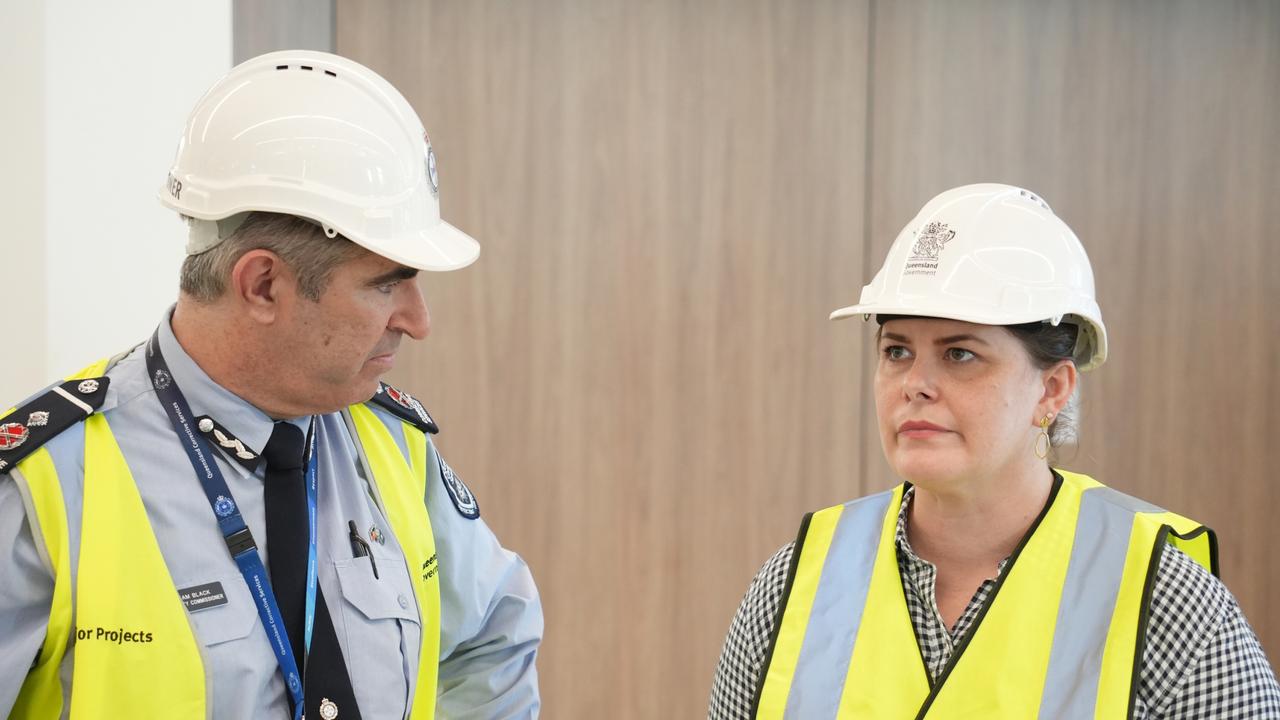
column 1059, row 382
column 260, row 281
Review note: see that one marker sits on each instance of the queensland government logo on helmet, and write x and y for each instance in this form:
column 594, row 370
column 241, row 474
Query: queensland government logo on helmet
column 928, row 246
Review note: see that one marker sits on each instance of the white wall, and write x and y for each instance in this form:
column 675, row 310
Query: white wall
column 22, row 251
column 100, row 92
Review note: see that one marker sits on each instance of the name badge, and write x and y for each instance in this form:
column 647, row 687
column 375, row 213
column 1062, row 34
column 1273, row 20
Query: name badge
column 203, row 597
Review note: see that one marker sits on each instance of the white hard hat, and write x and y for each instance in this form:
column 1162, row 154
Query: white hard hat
column 320, row 137
column 990, row 254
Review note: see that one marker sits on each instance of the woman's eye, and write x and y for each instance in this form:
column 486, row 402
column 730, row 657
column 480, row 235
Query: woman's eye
column 896, row 352
column 959, row 355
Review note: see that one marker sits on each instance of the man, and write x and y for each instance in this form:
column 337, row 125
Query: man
column 237, row 518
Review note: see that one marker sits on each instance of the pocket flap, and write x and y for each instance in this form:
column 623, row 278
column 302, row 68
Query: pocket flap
column 388, row 596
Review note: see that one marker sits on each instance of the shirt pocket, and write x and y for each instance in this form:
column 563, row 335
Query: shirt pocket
column 239, row 663
column 382, row 631
column 233, row 620
column 386, row 597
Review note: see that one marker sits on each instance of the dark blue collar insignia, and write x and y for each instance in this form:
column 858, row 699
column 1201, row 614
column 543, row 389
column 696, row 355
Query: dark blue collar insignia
column 229, row 444
column 404, row 406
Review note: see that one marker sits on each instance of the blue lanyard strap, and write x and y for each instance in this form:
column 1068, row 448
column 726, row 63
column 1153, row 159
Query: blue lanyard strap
column 235, row 532
column 310, row 617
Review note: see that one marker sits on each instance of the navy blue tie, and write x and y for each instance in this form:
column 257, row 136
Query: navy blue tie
column 325, row 675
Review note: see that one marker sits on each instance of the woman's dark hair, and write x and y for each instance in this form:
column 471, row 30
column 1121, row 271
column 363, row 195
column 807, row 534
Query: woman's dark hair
column 1046, row 344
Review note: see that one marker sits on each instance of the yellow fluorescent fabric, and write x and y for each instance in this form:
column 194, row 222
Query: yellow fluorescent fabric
column 136, row 655
column 886, row 664
column 402, row 487
column 135, row 649
column 1018, row 629
column 41, row 693
column 1114, row 687
column 795, row 619
column 1198, row 546
column 1004, row 669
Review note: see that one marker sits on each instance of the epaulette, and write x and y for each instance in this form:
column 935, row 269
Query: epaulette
column 404, row 406
column 27, row 428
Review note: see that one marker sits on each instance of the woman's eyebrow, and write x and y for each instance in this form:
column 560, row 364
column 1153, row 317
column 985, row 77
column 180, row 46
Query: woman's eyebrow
column 964, row 337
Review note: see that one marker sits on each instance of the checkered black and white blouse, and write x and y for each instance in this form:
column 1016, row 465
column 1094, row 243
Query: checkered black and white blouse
column 1201, row 660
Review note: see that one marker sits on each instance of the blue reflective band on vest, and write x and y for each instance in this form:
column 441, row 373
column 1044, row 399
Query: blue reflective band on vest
column 842, row 594
column 234, row 530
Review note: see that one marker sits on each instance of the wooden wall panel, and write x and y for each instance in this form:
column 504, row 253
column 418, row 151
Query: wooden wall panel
column 638, row 377
column 1150, row 127
column 261, row 27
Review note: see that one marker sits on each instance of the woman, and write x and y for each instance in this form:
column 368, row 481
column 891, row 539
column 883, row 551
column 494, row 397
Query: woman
column 989, row 585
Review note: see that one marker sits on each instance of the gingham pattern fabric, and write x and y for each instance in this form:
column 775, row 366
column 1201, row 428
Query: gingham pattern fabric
column 1201, row 661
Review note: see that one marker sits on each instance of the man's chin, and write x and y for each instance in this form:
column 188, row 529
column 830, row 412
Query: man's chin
column 365, row 390
column 354, row 394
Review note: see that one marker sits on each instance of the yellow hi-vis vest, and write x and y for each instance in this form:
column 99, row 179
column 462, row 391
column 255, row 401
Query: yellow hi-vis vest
column 122, row 581
column 1060, row 637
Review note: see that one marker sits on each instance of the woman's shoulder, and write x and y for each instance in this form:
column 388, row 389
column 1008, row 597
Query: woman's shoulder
column 1188, row 605
column 770, row 581
column 1200, row 651
column 1184, row 586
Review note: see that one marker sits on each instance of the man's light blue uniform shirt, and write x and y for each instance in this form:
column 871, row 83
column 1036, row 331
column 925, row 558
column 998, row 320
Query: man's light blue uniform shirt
column 491, row 617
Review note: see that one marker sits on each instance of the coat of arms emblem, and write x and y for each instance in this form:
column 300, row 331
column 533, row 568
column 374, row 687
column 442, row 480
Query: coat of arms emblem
column 931, row 240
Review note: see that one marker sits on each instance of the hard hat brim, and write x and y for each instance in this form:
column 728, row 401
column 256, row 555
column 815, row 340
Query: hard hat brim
column 437, row 249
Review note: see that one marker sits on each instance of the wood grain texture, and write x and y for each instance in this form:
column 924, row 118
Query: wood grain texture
column 261, row 27
column 1150, row 127
column 638, row 377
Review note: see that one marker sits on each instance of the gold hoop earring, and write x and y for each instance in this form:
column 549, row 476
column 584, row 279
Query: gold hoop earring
column 1043, row 438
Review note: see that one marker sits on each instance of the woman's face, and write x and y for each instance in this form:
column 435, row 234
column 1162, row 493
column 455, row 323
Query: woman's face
column 956, row 401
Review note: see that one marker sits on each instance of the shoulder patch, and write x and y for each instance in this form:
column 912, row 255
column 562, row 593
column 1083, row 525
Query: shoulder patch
column 24, row 430
column 404, row 406
column 459, row 493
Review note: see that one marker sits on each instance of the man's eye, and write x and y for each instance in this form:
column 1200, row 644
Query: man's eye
column 896, row 352
column 388, row 287
column 959, row 355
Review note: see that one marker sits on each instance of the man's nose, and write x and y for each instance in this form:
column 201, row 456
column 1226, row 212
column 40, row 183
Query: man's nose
column 411, row 316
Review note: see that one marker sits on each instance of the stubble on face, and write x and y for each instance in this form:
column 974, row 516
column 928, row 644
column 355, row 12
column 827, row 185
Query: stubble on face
column 341, row 344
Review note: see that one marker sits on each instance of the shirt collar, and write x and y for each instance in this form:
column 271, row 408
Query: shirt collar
column 244, row 421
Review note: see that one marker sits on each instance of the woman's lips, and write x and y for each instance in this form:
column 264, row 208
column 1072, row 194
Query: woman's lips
column 920, row 429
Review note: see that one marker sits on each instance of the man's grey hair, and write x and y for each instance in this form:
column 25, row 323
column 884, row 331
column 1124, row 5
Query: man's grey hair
column 300, row 243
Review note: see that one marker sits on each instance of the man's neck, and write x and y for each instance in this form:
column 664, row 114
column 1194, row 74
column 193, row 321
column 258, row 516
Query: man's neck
column 225, row 352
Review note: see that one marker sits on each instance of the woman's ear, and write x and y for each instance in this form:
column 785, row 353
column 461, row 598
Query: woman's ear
column 1059, row 383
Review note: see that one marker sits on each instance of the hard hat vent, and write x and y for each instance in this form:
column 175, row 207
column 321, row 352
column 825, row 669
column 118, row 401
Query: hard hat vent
column 1034, row 199
column 330, row 73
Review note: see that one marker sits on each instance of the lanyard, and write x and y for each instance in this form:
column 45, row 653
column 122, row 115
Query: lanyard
column 234, row 530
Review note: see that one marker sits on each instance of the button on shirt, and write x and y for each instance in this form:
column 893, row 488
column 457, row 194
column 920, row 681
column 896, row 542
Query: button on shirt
column 491, row 617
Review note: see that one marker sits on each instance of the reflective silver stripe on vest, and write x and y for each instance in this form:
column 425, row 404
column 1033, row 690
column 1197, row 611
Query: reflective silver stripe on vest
column 1088, row 601
column 837, row 609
